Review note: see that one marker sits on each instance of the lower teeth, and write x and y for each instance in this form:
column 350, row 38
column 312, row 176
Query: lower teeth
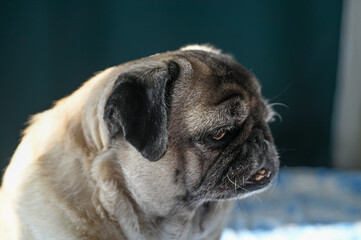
column 259, row 177
column 262, row 174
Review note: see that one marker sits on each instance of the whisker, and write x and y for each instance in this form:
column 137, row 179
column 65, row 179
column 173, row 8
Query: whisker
column 240, row 209
column 279, row 104
column 217, row 207
column 273, row 113
column 278, row 115
column 258, row 199
column 282, row 92
column 235, row 185
column 231, row 181
column 244, row 189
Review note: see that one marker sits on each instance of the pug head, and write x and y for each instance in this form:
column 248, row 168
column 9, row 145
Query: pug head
column 190, row 126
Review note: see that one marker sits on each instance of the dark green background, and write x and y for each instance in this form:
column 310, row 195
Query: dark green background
column 48, row 48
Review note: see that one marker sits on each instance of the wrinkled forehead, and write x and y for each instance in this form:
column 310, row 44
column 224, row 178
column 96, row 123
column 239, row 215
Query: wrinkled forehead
column 218, row 72
column 219, row 92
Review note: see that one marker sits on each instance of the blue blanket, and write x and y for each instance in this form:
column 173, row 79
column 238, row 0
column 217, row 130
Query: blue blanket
column 302, row 203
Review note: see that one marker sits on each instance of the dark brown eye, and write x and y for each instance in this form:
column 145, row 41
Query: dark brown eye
column 219, row 135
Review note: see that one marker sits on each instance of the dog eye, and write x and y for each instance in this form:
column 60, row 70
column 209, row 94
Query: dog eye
column 219, row 135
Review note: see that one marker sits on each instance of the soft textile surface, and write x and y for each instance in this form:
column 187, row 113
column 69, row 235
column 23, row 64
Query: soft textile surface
column 303, row 203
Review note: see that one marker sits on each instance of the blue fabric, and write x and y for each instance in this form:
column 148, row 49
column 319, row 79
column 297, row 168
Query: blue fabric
column 302, row 203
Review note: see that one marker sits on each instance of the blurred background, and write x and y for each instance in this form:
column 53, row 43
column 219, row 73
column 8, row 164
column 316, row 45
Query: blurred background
column 306, row 55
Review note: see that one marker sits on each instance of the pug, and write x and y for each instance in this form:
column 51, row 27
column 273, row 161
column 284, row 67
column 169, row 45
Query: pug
column 156, row 148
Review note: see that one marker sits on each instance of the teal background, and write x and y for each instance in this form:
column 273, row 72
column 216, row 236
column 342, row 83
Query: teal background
column 48, row 48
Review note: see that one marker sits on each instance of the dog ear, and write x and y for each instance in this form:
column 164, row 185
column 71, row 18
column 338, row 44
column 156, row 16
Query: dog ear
column 138, row 107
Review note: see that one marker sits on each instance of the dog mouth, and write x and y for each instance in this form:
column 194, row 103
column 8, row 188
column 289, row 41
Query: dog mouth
column 240, row 174
column 261, row 179
column 236, row 186
column 241, row 178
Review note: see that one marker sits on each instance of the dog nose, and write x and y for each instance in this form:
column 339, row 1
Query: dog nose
column 257, row 137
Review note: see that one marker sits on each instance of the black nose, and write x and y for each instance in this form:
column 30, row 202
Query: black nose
column 257, row 137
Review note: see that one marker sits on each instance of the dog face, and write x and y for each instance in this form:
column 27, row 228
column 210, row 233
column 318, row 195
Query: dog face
column 199, row 118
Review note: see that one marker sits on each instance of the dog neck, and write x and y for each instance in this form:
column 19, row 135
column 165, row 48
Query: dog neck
column 130, row 217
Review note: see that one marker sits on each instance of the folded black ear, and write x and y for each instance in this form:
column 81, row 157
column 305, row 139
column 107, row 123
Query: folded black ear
column 138, row 108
